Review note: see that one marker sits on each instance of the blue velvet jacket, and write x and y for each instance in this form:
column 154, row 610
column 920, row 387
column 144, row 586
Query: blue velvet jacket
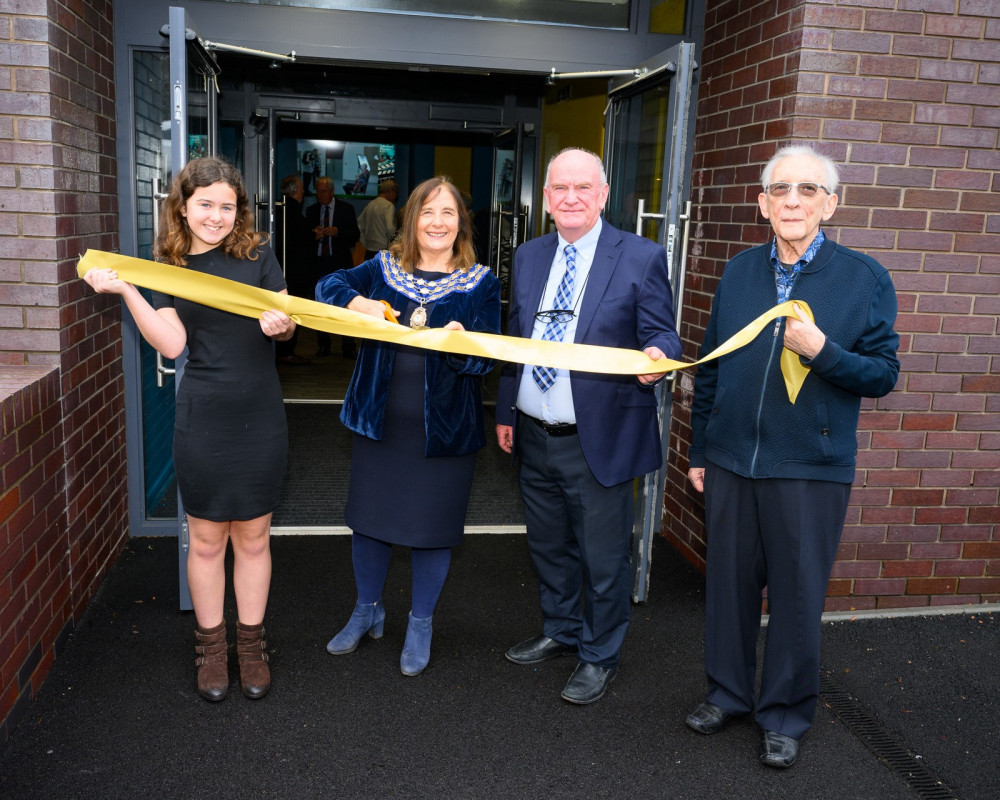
column 741, row 418
column 453, row 404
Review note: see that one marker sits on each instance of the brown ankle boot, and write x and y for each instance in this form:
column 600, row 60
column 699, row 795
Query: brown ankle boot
column 255, row 677
column 212, row 662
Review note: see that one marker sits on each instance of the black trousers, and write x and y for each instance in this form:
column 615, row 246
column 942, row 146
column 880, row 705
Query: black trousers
column 579, row 535
column 783, row 534
column 348, row 346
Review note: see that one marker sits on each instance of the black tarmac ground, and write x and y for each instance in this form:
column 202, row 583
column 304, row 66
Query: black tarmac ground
column 909, row 706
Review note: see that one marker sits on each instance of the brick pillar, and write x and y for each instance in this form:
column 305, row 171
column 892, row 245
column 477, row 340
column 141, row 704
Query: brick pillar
column 64, row 497
column 906, row 99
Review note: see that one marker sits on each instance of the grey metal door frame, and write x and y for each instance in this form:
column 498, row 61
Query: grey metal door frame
column 676, row 66
column 187, row 53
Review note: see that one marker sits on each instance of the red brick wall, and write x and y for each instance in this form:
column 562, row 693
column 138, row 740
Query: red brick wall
column 66, row 514
column 906, row 98
column 35, row 604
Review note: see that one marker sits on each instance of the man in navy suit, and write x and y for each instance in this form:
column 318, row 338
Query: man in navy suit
column 582, row 437
column 334, row 228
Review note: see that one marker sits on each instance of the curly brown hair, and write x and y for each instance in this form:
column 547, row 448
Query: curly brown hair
column 405, row 250
column 173, row 240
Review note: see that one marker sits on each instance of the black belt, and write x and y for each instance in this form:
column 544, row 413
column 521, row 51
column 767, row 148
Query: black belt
column 560, row 429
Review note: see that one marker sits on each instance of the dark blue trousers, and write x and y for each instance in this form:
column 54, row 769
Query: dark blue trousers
column 782, row 534
column 579, row 536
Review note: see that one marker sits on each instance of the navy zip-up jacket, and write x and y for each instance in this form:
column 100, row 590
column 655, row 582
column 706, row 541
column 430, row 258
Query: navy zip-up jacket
column 741, row 417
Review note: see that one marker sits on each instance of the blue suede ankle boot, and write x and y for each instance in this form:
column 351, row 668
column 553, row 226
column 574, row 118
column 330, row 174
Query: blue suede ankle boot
column 367, row 618
column 417, row 647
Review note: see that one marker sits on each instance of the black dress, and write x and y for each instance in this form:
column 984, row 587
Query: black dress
column 230, row 431
column 397, row 494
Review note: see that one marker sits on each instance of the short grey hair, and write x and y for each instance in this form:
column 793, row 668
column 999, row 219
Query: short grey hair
column 597, row 158
column 291, row 184
column 832, row 174
column 388, row 186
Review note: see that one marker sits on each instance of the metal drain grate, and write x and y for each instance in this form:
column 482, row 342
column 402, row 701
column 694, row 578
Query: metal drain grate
column 875, row 737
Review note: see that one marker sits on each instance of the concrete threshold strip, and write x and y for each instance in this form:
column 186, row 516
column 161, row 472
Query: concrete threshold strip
column 343, row 530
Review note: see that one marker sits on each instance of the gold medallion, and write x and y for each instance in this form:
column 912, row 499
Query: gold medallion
column 418, row 319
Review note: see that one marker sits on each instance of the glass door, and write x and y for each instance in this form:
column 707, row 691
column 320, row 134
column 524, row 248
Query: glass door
column 510, row 217
column 150, row 429
column 510, row 211
column 161, row 102
column 306, row 376
column 648, row 145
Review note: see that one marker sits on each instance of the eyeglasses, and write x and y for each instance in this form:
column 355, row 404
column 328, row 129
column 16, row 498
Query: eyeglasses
column 560, row 315
column 804, row 189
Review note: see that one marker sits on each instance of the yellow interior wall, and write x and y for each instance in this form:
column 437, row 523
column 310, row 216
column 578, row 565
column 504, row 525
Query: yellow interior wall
column 667, row 16
column 576, row 120
column 456, row 163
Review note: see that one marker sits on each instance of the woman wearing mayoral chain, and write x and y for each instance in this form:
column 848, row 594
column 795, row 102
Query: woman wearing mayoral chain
column 417, row 415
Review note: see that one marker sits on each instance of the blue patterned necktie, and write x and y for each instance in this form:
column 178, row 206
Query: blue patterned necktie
column 544, row 377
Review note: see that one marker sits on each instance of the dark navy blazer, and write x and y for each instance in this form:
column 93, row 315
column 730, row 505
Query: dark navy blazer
column 627, row 303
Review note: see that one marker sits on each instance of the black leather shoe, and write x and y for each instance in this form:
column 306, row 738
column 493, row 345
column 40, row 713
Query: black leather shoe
column 778, row 750
column 588, row 683
column 539, row 649
column 707, row 718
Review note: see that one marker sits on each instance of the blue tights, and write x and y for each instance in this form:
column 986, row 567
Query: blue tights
column 371, row 564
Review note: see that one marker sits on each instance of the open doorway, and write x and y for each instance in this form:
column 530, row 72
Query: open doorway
column 461, row 123
column 341, row 154
column 406, row 128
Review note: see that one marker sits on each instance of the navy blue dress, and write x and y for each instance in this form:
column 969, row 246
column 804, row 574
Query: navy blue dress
column 398, row 495
column 230, row 431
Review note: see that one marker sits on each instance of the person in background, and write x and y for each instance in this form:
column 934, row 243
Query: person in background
column 377, row 222
column 296, row 256
column 417, row 415
column 360, row 183
column 311, row 169
column 230, row 433
column 777, row 476
column 582, row 438
column 334, row 228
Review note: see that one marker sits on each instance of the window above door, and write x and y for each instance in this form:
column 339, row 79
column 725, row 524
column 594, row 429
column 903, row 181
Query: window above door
column 610, row 14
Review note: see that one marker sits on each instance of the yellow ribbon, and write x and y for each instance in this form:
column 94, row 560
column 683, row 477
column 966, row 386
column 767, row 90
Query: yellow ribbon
column 251, row 301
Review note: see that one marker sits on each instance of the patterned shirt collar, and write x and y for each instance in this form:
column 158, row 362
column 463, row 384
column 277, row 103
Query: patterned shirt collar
column 785, row 277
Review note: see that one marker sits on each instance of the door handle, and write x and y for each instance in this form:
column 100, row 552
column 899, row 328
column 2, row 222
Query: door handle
column 523, row 219
column 284, row 236
column 685, row 219
column 642, row 215
column 157, row 195
column 498, row 239
column 162, row 370
column 685, row 234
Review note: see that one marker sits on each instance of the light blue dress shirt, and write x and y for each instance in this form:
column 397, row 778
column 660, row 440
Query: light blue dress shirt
column 556, row 405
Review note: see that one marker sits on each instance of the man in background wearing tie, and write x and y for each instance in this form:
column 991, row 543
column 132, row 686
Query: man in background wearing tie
column 582, row 437
column 335, row 228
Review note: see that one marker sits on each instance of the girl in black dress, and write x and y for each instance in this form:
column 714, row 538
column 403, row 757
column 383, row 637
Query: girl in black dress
column 417, row 415
column 230, row 433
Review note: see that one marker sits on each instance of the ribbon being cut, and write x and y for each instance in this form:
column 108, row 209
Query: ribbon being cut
column 251, row 301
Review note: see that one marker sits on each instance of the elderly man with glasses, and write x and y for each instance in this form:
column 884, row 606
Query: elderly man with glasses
column 776, row 475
